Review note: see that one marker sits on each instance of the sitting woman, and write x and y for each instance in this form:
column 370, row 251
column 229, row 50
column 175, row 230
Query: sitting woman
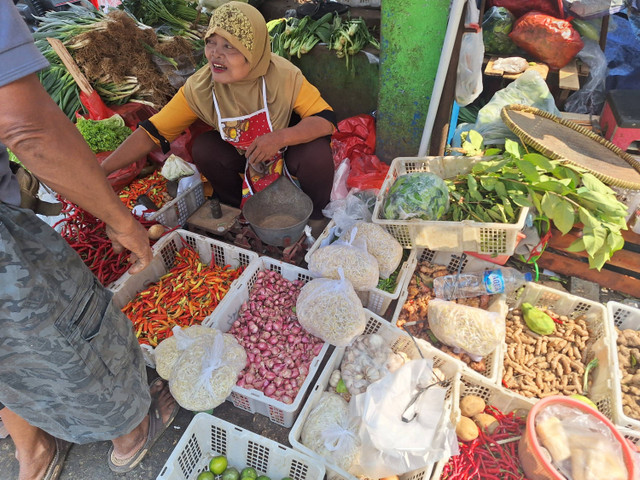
column 267, row 118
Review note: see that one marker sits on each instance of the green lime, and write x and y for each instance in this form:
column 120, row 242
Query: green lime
column 231, row 473
column 287, row 478
column 218, row 464
column 206, row 475
column 263, row 477
column 248, row 472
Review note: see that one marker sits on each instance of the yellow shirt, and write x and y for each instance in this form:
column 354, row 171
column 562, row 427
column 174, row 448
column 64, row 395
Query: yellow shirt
column 176, row 116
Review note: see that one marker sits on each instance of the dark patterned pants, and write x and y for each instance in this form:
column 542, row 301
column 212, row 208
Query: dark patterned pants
column 69, row 360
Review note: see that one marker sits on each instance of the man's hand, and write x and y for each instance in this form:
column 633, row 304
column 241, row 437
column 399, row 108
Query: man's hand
column 134, row 238
column 264, row 148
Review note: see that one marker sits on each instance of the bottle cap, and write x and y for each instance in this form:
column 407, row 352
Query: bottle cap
column 528, row 277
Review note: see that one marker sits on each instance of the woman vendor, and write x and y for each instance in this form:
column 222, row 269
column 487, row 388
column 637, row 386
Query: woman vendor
column 267, row 118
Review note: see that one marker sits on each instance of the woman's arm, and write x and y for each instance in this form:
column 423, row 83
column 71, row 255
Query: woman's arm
column 50, row 146
column 136, row 146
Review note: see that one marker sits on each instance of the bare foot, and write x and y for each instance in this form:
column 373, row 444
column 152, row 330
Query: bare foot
column 35, row 464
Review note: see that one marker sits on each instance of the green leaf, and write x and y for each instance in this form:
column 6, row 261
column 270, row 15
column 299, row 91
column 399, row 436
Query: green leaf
column 594, row 239
column 521, row 201
column 475, row 139
column 563, row 215
column 548, row 204
column 508, row 209
column 593, row 183
column 501, row 191
column 576, row 246
column 489, row 152
column 587, row 219
column 488, row 183
column 605, row 203
column 528, row 170
column 615, row 241
column 553, row 186
column 539, row 161
column 473, row 188
column 512, row 148
column 598, row 260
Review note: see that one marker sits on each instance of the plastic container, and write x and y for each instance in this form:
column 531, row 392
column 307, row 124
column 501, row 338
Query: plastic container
column 222, row 318
column 164, row 255
column 400, row 342
column 446, row 236
column 502, row 399
column 454, row 263
column 535, row 464
column 375, row 300
column 177, row 211
column 623, row 317
column 473, row 284
column 208, row 436
column 600, row 341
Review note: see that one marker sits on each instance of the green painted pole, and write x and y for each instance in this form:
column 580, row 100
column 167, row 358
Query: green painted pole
column 412, row 35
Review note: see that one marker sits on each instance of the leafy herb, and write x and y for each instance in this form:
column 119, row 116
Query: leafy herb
column 568, row 195
column 103, row 135
column 585, row 383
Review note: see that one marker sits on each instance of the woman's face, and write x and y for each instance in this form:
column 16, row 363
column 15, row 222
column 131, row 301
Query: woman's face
column 227, row 64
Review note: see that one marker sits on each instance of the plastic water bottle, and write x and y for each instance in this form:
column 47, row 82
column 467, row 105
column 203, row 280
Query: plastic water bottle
column 489, row 282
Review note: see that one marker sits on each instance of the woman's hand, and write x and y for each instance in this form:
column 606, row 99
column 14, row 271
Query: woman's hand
column 264, row 148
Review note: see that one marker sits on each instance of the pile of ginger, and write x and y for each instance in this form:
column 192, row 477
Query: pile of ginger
column 629, row 360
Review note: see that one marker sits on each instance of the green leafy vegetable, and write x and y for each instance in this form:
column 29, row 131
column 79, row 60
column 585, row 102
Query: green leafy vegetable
column 496, row 26
column 103, row 135
column 421, row 195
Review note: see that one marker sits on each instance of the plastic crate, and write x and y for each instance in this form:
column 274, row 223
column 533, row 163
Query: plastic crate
column 375, row 300
column 499, row 397
column 208, row 436
column 624, row 317
column 400, row 342
column 454, row 263
column 164, row 256
column 222, row 318
column 176, row 212
column 601, row 340
column 446, row 236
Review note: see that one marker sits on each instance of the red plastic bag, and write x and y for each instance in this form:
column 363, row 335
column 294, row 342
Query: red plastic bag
column 123, row 176
column 355, row 139
column 182, row 145
column 519, row 7
column 550, row 40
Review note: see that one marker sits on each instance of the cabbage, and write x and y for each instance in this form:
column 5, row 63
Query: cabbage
column 421, row 195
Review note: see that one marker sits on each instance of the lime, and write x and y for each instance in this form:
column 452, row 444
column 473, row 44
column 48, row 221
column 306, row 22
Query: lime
column 263, row 477
column 248, row 472
column 584, row 399
column 206, row 475
column 231, row 473
column 218, row 464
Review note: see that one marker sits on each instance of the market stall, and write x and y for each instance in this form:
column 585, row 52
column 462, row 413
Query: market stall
column 415, row 336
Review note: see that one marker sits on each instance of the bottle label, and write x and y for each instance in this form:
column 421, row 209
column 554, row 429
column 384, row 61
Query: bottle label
column 494, row 282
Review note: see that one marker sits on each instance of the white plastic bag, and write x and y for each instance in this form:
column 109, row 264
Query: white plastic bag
column 356, row 206
column 174, row 168
column 170, row 349
column 590, row 98
column 381, row 244
column 331, row 310
column 340, row 190
column 469, row 74
column 391, row 446
column 478, row 332
column 350, row 255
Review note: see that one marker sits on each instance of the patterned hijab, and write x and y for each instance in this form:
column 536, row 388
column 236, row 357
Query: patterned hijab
column 244, row 27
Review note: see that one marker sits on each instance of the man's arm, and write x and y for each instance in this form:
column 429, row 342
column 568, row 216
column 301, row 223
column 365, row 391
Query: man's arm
column 50, row 146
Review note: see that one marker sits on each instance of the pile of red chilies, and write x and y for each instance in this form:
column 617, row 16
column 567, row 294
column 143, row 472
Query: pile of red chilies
column 153, row 186
column 486, row 459
column 184, row 296
column 87, row 236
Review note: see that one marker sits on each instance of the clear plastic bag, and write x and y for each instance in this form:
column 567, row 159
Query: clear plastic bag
column 205, row 373
column 496, row 27
column 351, row 256
column 469, row 74
column 381, row 244
column 331, row 310
column 170, row 349
column 475, row 331
column 590, row 98
column 175, row 168
column 330, row 432
column 391, row 446
column 357, row 206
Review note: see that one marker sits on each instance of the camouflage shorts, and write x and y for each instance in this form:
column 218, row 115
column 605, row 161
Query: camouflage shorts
column 69, row 360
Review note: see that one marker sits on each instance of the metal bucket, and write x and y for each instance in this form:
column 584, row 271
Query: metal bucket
column 279, row 213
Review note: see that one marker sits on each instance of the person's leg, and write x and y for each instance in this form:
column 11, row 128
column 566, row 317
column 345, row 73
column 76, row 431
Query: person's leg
column 34, row 448
column 221, row 164
column 312, row 164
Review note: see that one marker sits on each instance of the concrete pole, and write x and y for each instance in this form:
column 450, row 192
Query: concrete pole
column 412, row 35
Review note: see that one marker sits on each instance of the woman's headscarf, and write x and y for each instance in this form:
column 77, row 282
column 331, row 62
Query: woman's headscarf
column 244, row 27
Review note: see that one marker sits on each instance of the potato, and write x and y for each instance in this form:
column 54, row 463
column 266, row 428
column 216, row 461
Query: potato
column 471, row 405
column 486, row 422
column 466, row 429
column 155, row 231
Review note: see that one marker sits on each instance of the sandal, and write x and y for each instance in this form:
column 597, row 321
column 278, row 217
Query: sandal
column 316, row 9
column 156, row 429
column 57, row 462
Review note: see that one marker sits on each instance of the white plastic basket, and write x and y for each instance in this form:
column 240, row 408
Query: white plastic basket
column 164, row 256
column 208, row 436
column 499, row 397
column 624, row 317
column 176, row 212
column 446, row 236
column 601, row 341
column 375, row 300
column 254, row 401
column 454, row 263
column 400, row 342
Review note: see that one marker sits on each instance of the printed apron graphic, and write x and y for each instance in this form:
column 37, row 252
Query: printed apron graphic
column 241, row 132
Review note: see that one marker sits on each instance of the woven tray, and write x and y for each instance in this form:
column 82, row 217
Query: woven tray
column 562, row 139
